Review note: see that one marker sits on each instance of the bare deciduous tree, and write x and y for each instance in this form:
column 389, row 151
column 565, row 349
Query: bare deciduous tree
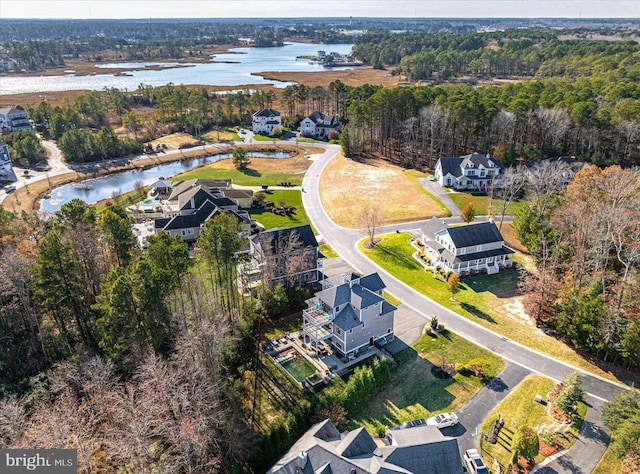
column 369, row 221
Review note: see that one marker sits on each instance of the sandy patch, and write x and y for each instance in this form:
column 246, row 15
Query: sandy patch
column 346, row 187
column 514, row 309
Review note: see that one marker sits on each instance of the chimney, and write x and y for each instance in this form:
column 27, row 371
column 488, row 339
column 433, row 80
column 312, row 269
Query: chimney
column 303, row 457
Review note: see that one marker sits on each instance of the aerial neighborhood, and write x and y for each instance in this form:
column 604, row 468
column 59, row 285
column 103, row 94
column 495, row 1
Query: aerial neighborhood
column 412, row 246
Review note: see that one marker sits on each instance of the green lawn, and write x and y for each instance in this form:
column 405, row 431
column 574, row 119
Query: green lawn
column 484, row 299
column 248, row 177
column 481, row 203
column 414, row 175
column 328, row 251
column 609, row 464
column 226, row 135
column 307, row 140
column 270, row 220
column 263, row 138
column 413, row 392
column 519, row 410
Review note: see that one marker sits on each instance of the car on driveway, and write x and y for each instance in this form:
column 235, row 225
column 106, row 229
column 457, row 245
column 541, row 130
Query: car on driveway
column 431, row 178
column 473, row 463
column 9, row 189
column 443, row 420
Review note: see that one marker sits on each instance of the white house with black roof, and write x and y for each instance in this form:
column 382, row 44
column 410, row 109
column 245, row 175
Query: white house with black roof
column 350, row 313
column 265, row 120
column 319, row 125
column 465, row 249
column 474, row 172
column 6, row 168
column 324, row 450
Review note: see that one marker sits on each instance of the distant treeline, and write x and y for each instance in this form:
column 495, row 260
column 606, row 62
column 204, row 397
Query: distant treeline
column 534, row 52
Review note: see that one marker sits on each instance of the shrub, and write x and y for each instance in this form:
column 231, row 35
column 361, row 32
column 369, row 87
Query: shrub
column 434, row 323
column 463, row 369
column 479, row 367
column 570, row 393
column 526, row 443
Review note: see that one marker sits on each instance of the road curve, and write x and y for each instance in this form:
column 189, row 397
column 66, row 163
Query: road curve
column 344, row 241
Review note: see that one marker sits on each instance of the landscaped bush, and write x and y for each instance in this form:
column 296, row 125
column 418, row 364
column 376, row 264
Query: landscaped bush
column 364, row 381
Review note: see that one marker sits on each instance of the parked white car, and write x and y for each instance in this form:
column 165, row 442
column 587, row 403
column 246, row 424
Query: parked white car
column 443, row 420
column 472, row 462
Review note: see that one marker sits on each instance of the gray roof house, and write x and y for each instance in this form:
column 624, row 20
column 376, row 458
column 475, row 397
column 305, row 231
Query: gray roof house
column 472, row 172
column 287, row 256
column 350, row 313
column 319, row 125
column 265, row 120
column 196, row 205
column 323, row 449
column 465, row 249
column 14, row 119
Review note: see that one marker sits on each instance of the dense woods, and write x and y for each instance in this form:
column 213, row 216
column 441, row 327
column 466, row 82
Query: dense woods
column 586, row 242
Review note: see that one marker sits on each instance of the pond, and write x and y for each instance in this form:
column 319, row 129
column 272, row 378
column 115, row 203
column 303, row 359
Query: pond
column 96, row 189
column 235, row 67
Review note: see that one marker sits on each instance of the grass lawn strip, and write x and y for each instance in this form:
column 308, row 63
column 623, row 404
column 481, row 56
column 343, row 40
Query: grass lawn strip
column 481, row 203
column 328, row 251
column 518, row 410
column 413, row 392
column 608, row 464
column 485, row 299
column 260, row 171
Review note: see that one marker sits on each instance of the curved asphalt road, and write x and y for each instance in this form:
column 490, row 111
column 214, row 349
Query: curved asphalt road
column 344, row 242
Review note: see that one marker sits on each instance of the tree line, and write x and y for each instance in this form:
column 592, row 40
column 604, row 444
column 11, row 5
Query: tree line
column 585, row 238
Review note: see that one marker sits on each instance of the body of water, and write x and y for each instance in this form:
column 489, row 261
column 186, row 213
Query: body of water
column 233, row 68
column 94, row 190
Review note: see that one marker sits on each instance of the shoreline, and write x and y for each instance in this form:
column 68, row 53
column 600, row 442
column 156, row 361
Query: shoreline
column 27, row 198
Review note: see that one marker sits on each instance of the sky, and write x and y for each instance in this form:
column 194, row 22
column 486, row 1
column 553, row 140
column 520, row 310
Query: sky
column 96, row 9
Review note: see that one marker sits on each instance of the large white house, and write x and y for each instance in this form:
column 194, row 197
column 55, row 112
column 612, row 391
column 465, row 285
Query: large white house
column 350, row 313
column 465, row 249
column 265, row 120
column 475, row 172
column 319, row 125
column 12, row 119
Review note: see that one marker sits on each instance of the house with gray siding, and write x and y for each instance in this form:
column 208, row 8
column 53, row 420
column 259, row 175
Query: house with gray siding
column 350, row 313
column 467, row 248
column 324, row 450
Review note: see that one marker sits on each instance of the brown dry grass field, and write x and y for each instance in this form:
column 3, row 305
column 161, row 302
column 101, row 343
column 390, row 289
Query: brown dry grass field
column 351, row 77
column 346, row 187
column 297, row 164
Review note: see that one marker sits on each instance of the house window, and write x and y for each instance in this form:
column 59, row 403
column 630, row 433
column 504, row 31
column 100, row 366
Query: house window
column 338, row 331
column 389, row 331
column 482, row 174
column 478, row 262
column 468, row 183
column 350, row 331
column 479, row 248
column 463, row 251
column 362, row 325
column 338, row 344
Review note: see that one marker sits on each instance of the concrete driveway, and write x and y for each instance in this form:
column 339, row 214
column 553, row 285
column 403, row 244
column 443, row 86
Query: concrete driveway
column 434, row 188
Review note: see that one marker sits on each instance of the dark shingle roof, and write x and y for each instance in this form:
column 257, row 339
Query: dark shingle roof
column 478, row 160
column 373, row 282
column 336, row 295
column 474, row 234
column 267, row 113
column 356, row 443
column 423, row 452
column 347, row 319
column 387, row 308
column 451, row 165
column 363, row 298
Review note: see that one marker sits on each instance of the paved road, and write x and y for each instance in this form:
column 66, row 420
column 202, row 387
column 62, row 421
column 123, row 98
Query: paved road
column 344, row 241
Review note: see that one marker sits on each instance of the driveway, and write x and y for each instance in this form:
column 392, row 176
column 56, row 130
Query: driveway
column 434, row 188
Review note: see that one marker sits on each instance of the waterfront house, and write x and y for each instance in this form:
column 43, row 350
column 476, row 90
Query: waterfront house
column 12, row 119
column 265, row 121
column 319, row 125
